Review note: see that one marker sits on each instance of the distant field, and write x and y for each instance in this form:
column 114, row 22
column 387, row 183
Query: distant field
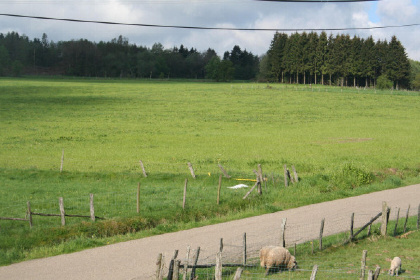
column 107, row 126
column 343, row 142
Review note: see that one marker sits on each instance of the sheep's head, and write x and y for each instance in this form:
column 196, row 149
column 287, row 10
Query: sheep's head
column 292, row 263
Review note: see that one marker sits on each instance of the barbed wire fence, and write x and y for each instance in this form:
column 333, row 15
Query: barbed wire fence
column 302, row 240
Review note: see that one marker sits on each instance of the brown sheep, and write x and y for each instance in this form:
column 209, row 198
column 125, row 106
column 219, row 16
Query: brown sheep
column 275, row 256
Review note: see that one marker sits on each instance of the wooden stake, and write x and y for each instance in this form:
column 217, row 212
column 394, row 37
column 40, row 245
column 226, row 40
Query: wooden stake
column 218, row 268
column 396, row 221
column 186, row 263
column 283, row 233
column 238, row 273
column 321, row 230
column 370, row 275
column 171, row 265
column 158, row 265
column 376, row 274
column 185, row 194
column 244, row 248
column 138, row 198
column 92, row 208
column 418, row 217
column 176, row 270
column 363, row 268
column 62, row 161
column 351, row 226
column 218, row 189
column 224, row 171
column 62, row 212
column 246, row 195
column 314, row 271
column 384, row 218
column 295, row 174
column 286, row 181
column 142, row 168
column 406, row 218
column 195, row 263
column 29, row 213
column 191, row 169
column 221, row 245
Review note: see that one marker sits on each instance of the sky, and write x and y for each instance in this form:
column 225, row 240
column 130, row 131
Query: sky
column 210, row 13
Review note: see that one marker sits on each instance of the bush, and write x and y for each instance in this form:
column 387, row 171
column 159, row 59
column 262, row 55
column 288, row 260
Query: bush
column 350, row 177
column 384, row 83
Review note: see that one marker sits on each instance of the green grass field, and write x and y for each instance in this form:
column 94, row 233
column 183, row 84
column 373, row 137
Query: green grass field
column 343, row 142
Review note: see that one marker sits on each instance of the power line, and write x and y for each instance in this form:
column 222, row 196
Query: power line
column 211, row 28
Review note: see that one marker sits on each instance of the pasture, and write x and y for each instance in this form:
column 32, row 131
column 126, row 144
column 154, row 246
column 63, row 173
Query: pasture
column 343, row 142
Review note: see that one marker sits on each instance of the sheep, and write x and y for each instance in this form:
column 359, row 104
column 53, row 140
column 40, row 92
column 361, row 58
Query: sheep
column 395, row 266
column 275, row 256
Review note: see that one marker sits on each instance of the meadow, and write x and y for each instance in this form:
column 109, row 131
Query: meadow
column 342, row 141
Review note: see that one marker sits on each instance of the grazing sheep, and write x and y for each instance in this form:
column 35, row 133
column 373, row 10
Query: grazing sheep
column 275, row 256
column 395, row 266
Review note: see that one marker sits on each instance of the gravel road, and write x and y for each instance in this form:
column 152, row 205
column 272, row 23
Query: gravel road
column 136, row 259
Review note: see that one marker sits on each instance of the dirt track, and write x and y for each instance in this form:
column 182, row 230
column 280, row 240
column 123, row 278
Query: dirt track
column 136, row 259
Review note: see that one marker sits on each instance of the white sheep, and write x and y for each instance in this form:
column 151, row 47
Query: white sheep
column 395, row 266
column 275, row 256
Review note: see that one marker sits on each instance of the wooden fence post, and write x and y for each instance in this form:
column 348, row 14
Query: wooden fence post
column 158, row 265
column 221, row 245
column 370, row 275
column 191, row 169
column 29, row 213
column 406, row 218
column 283, row 233
column 92, row 208
column 321, row 230
column 244, row 248
column 238, row 273
column 162, row 267
column 224, row 171
column 176, row 270
column 376, row 274
column 295, row 174
column 218, row 268
column 143, row 169
column 171, row 265
column 62, row 161
column 138, row 198
column 185, row 194
column 384, row 218
column 260, row 175
column 314, row 271
column 418, row 217
column 363, row 268
column 218, row 189
column 396, row 222
column 186, row 263
column 195, row 264
column 351, row 226
column 286, row 181
column 62, row 212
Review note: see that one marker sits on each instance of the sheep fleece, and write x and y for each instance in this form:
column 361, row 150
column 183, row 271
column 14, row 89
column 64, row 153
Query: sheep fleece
column 273, row 256
column 395, row 266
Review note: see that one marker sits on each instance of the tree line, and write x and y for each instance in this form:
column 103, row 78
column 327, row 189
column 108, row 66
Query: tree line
column 302, row 58
column 341, row 60
column 119, row 58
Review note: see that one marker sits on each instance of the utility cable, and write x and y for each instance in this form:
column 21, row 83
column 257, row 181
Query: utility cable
column 211, row 28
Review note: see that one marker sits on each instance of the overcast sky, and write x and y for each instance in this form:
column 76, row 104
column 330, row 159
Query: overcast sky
column 210, row 13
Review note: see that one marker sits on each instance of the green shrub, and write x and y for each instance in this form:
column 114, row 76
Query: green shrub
column 384, row 83
column 350, row 177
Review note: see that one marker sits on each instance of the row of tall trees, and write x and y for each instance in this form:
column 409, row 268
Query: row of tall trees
column 340, row 59
column 116, row 58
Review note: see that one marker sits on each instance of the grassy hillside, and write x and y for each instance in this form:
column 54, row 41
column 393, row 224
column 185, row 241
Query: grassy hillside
column 343, row 142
